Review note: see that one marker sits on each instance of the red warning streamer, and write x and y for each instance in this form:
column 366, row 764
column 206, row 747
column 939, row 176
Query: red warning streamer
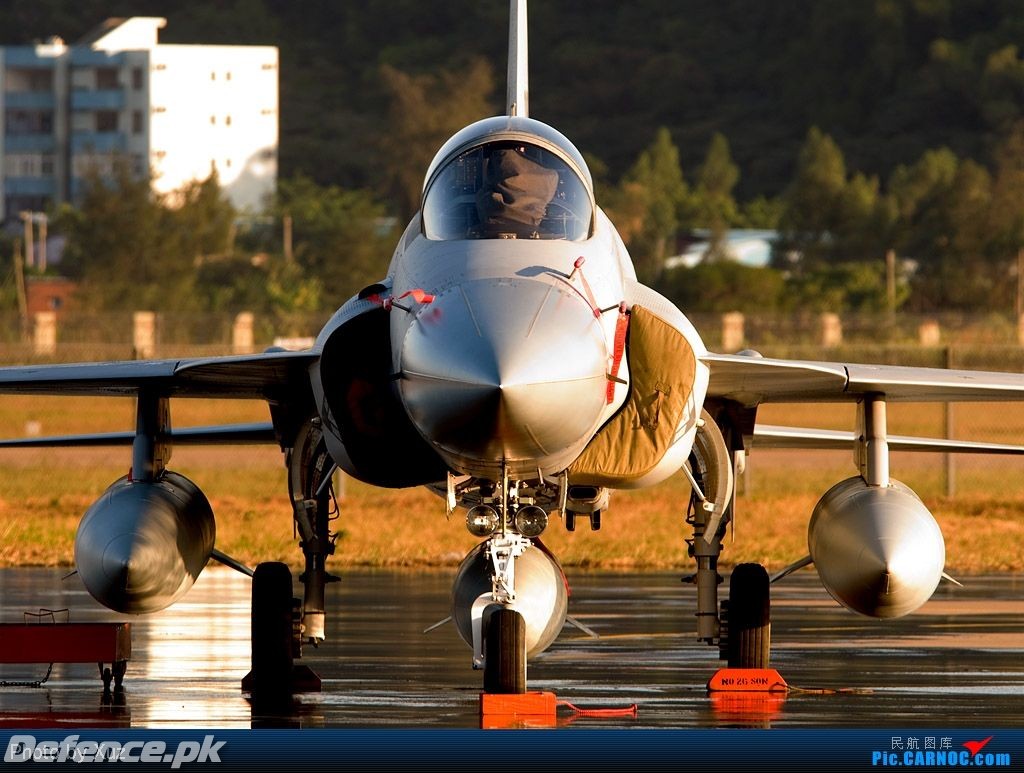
column 618, row 349
column 626, row 711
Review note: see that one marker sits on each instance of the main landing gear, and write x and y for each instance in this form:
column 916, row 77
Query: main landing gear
column 280, row 622
column 741, row 626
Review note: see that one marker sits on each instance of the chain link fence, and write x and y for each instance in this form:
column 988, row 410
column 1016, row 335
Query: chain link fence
column 969, row 342
column 977, row 343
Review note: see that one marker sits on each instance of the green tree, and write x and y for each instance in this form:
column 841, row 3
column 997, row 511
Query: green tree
column 650, row 205
column 946, row 223
column 855, row 286
column 829, row 217
column 124, row 247
column 762, row 212
column 204, row 220
column 813, row 204
column 921, row 194
column 713, row 203
column 424, row 111
column 724, row 286
column 1007, row 200
column 342, row 238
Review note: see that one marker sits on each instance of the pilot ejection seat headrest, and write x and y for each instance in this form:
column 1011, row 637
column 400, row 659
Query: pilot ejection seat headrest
column 515, row 193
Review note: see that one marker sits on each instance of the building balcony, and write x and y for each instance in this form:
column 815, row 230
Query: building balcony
column 99, row 142
column 105, row 99
column 29, row 143
column 29, row 100
column 88, row 57
column 30, row 186
column 26, row 56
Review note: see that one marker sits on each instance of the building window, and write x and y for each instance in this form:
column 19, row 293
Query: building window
column 137, row 78
column 213, row 76
column 28, row 122
column 47, row 165
column 106, row 78
column 227, row 121
column 29, row 79
column 227, row 163
column 136, row 122
column 106, row 120
column 160, row 66
column 213, row 120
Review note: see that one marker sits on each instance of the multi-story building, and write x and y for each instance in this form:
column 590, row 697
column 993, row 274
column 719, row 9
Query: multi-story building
column 180, row 111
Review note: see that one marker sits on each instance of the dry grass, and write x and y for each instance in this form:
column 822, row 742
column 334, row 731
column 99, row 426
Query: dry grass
column 44, row 493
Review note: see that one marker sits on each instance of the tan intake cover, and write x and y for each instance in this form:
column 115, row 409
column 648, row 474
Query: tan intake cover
column 662, row 369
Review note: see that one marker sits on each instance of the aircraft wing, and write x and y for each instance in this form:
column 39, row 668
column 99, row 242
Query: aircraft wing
column 257, row 376
column 772, row 436
column 752, row 380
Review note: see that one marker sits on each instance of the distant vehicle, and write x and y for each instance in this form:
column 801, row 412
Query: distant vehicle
column 511, row 362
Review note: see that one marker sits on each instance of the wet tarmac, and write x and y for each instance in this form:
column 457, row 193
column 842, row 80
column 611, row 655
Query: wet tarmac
column 958, row 662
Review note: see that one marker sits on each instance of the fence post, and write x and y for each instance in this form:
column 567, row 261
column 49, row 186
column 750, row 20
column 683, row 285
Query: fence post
column 144, row 334
column 949, row 429
column 44, row 334
column 241, row 333
column 732, row 331
column 929, row 333
column 831, row 329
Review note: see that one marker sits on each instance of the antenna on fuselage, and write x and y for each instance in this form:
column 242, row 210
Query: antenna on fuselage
column 518, row 97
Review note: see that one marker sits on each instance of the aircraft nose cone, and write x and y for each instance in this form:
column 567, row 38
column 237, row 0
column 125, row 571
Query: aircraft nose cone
column 511, row 369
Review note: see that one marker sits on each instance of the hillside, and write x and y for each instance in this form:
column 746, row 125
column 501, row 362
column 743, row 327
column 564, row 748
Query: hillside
column 886, row 79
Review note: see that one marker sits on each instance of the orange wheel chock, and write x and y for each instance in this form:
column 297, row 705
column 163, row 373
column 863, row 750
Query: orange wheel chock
column 517, row 711
column 747, row 680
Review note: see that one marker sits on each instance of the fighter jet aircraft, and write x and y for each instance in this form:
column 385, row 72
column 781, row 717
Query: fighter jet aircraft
column 511, row 362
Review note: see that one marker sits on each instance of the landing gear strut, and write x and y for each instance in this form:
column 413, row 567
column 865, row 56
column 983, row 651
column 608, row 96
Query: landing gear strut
column 310, row 471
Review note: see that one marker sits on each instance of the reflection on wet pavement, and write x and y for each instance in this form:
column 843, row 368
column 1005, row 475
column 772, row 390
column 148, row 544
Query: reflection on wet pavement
column 957, row 662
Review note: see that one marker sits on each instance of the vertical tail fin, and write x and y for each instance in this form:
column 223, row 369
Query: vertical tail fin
column 518, row 96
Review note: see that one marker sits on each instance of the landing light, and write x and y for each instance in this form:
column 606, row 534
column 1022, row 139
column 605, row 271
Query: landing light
column 530, row 521
column 482, row 521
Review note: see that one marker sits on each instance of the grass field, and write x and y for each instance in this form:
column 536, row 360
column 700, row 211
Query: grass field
column 44, row 493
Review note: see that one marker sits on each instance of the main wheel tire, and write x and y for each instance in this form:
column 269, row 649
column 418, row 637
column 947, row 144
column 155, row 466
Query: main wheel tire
column 272, row 627
column 505, row 652
column 749, row 627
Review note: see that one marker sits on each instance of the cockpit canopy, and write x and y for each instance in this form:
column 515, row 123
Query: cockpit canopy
column 508, row 178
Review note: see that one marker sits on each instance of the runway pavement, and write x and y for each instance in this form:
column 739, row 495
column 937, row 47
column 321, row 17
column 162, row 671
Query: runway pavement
column 957, row 662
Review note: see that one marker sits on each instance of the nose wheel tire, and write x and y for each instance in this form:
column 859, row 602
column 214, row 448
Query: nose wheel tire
column 505, row 652
column 747, row 633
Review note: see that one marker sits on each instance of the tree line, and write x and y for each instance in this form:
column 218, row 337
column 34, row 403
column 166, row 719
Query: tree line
column 916, row 148
column 956, row 227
